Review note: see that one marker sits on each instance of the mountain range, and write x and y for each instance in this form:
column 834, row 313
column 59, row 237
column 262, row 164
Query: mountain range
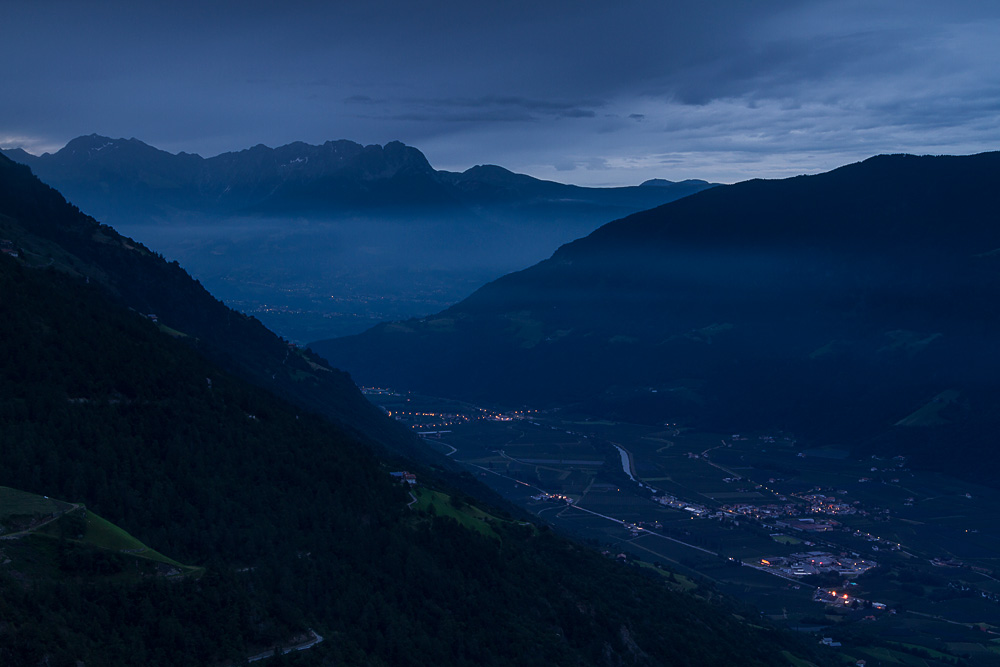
column 855, row 307
column 126, row 180
column 320, row 241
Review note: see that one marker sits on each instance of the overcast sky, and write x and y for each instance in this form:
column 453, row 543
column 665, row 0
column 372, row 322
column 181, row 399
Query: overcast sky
column 581, row 92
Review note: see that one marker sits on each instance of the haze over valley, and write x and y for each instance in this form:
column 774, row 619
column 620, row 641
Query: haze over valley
column 474, row 335
column 320, row 241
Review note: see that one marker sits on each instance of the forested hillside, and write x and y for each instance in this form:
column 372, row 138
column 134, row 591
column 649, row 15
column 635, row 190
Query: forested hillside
column 297, row 524
column 48, row 231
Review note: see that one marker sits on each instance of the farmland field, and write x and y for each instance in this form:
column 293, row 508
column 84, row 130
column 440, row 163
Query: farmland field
column 732, row 502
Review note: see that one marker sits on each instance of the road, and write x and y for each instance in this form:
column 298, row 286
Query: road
column 627, row 467
column 583, row 509
column 22, row 533
column 626, row 461
column 644, row 531
column 303, row 646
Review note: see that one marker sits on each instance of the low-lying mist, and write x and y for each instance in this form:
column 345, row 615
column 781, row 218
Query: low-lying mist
column 309, row 279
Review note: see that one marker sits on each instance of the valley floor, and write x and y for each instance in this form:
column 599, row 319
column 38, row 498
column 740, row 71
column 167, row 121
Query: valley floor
column 894, row 564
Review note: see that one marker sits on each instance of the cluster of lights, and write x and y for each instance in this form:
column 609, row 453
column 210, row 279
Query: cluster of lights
column 455, row 418
column 553, row 496
column 399, row 415
column 876, row 538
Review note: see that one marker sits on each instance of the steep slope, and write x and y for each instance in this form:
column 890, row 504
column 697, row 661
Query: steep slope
column 834, row 305
column 47, row 538
column 49, row 231
column 297, row 523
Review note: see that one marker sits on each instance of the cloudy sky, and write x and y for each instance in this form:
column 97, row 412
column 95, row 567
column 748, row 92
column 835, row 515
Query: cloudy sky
column 594, row 93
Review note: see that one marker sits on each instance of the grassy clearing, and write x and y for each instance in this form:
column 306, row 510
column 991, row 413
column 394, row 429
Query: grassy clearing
column 786, row 539
column 106, row 535
column 469, row 516
column 796, row 661
column 937, row 655
column 21, row 503
column 930, row 414
column 172, row 332
column 891, row 657
column 678, row 581
column 99, row 532
column 103, row 534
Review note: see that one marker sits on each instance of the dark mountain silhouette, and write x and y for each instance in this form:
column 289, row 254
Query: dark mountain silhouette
column 117, row 179
column 19, row 155
column 836, row 305
column 656, row 183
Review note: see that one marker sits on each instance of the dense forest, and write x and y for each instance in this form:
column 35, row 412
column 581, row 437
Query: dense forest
column 294, row 519
column 297, row 523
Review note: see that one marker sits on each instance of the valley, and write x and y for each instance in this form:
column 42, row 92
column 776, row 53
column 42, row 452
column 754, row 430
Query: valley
column 128, row 388
column 464, row 334
column 310, row 279
column 789, row 526
column 717, row 454
column 329, row 240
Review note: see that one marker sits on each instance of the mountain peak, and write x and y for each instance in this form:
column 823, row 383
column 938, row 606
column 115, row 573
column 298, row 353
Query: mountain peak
column 491, row 173
column 664, row 183
column 93, row 146
column 19, row 155
column 398, row 155
column 90, row 143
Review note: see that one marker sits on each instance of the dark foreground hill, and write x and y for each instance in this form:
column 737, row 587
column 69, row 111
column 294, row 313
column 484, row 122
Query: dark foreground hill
column 857, row 306
column 297, row 524
column 45, row 230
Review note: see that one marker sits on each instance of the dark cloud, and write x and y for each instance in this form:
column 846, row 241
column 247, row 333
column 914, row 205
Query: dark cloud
column 545, row 106
column 611, row 94
column 484, row 109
